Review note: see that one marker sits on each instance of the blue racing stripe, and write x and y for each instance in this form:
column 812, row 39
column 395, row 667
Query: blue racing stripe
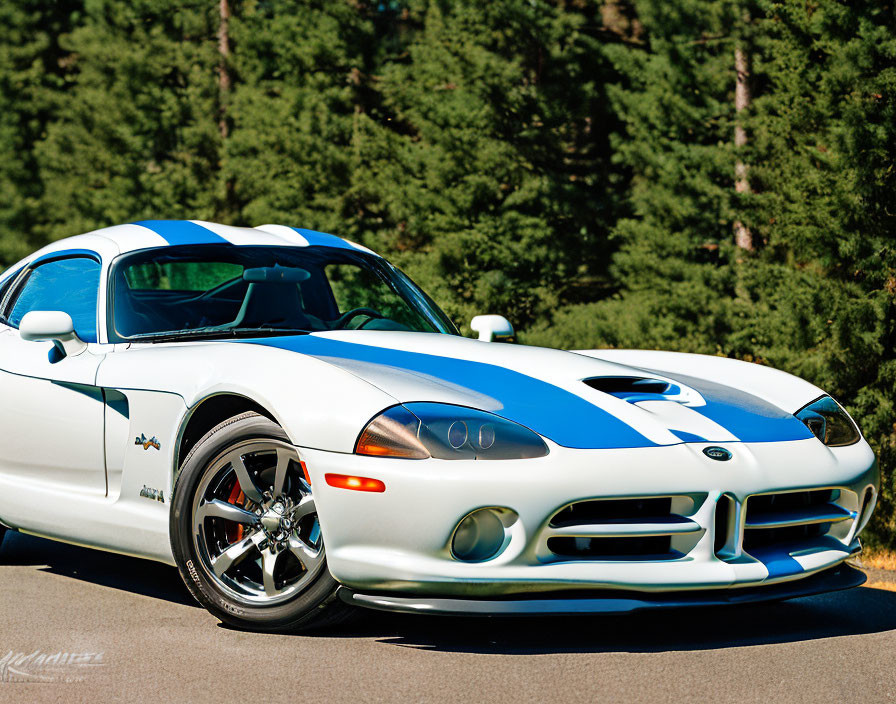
column 687, row 437
column 559, row 415
column 182, row 232
column 747, row 417
column 777, row 561
column 322, row 239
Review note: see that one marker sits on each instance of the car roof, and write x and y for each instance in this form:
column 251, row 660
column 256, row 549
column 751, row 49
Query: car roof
column 175, row 232
column 109, row 242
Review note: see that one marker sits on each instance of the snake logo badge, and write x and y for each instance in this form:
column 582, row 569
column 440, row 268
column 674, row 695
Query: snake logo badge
column 152, row 442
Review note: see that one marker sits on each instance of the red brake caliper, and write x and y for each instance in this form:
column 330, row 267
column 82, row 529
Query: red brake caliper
column 234, row 531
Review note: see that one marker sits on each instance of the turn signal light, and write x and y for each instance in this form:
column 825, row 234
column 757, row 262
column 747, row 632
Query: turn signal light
column 344, row 481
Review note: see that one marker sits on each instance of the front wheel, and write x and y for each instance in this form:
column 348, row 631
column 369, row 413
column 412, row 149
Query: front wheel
column 245, row 532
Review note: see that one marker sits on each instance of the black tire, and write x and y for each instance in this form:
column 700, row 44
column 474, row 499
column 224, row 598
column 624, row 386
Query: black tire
column 316, row 605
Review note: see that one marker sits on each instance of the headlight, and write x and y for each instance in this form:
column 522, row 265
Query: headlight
column 829, row 423
column 446, row 432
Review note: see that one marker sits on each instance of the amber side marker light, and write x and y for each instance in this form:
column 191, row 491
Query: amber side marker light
column 344, row 481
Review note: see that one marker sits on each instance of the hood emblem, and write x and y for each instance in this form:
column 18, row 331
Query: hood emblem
column 717, row 453
column 152, row 442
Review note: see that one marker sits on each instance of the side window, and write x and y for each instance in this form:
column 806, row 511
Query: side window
column 70, row 285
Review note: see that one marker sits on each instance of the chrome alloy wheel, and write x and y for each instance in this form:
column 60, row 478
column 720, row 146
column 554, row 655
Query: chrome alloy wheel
column 255, row 526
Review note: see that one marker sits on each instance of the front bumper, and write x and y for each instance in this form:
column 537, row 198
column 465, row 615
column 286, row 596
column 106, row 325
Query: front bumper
column 399, row 541
column 609, row 602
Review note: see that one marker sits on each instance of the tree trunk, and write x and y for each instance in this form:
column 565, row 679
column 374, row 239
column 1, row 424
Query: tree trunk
column 743, row 238
column 223, row 68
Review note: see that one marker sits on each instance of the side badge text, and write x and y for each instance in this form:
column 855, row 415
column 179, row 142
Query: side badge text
column 154, row 494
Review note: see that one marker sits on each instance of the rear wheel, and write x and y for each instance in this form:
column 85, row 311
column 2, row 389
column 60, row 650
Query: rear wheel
column 245, row 532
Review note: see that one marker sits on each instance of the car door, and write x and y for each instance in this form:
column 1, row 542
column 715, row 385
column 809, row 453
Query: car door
column 51, row 412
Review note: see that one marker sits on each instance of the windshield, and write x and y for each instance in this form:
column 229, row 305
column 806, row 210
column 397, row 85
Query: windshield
column 209, row 291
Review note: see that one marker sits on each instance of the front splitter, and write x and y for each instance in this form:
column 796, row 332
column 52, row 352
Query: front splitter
column 610, row 601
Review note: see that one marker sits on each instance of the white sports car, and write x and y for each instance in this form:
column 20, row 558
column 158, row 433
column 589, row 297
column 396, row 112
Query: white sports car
column 293, row 423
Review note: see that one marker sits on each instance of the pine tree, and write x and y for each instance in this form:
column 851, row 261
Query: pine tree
column 298, row 68
column 675, row 99
column 33, row 67
column 136, row 133
column 822, row 295
column 484, row 168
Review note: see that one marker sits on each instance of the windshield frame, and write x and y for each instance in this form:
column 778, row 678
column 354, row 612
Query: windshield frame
column 415, row 298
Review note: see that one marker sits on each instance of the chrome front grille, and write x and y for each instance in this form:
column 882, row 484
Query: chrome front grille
column 628, row 528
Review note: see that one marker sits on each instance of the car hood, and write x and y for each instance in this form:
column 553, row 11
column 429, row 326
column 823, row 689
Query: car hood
column 564, row 396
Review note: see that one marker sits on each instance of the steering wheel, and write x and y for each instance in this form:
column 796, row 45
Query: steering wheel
column 345, row 318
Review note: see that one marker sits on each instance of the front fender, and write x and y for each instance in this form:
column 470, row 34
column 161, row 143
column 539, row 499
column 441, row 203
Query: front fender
column 318, row 405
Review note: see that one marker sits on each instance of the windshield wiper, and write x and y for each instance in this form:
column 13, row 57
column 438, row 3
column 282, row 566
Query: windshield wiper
column 212, row 333
column 252, row 332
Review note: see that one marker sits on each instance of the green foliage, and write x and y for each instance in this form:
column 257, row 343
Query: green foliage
column 493, row 180
column 136, row 132
column 294, row 110
column 32, row 73
column 568, row 163
column 824, row 284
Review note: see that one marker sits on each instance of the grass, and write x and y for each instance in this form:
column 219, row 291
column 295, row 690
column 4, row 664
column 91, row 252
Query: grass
column 889, row 586
column 878, row 559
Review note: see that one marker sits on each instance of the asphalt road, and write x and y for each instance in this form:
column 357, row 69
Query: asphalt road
column 80, row 625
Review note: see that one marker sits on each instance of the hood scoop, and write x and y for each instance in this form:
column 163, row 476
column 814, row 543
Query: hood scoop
column 698, row 410
column 623, row 386
column 636, row 389
column 672, row 404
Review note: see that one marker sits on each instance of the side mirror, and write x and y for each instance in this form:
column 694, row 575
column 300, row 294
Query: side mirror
column 492, row 328
column 52, row 326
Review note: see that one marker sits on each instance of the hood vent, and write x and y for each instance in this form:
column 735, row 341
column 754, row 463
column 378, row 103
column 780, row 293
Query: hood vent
column 634, row 388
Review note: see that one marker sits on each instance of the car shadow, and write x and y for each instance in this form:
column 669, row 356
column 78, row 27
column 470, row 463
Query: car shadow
column 858, row 611
column 855, row 612
column 145, row 577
